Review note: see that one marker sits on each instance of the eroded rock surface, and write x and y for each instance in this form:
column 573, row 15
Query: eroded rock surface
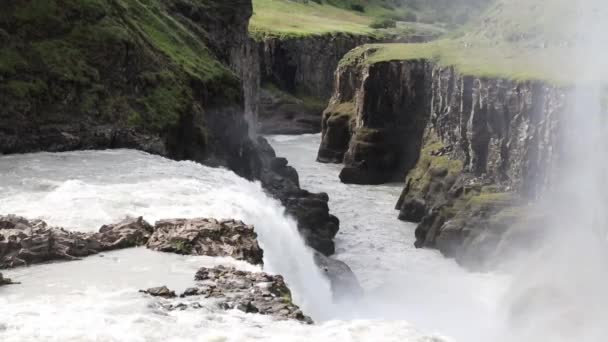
column 473, row 150
column 249, row 292
column 207, row 237
column 24, row 242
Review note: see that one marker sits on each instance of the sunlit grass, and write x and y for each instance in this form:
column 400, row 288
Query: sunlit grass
column 287, row 18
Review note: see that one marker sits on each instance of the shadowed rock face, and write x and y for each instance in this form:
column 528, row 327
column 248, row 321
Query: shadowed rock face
column 311, row 211
column 207, row 237
column 229, row 288
column 375, row 120
column 24, row 242
column 472, row 150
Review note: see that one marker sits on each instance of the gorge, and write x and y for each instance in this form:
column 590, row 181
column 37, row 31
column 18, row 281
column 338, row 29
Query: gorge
column 425, row 180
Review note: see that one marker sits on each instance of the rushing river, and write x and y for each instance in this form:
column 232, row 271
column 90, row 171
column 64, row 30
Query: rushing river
column 411, row 295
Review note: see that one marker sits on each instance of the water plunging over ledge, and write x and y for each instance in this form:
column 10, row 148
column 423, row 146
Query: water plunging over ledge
column 97, row 298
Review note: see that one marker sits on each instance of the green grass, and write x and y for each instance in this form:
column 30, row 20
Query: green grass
column 76, row 50
column 294, row 18
column 284, row 18
column 515, row 39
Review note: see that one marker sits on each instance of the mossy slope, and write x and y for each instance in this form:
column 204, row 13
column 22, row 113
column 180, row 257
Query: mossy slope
column 515, row 39
column 120, row 62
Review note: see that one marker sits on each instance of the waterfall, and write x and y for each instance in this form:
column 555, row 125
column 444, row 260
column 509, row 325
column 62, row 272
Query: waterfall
column 83, row 190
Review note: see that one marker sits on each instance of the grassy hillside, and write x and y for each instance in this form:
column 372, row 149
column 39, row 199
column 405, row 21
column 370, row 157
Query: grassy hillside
column 519, row 39
column 364, row 17
column 116, row 61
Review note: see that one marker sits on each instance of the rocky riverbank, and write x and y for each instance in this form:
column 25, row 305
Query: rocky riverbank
column 475, row 150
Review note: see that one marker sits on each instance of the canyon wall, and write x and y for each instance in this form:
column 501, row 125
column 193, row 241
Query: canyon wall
column 473, row 151
column 297, row 75
column 175, row 78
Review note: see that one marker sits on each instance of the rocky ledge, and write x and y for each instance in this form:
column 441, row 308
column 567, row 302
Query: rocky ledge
column 25, row 242
column 207, row 237
column 229, row 288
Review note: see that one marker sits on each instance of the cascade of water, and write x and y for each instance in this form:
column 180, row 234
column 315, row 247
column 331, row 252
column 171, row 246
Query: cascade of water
column 83, row 190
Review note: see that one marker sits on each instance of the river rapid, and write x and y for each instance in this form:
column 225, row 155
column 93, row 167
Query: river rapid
column 411, row 295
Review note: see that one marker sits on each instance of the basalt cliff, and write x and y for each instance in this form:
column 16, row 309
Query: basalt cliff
column 474, row 151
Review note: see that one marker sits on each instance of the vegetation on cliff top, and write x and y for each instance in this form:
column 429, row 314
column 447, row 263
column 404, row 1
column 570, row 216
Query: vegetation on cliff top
column 296, row 18
column 114, row 61
column 517, row 39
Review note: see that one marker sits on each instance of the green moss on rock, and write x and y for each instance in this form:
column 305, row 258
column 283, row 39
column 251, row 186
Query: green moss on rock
column 108, row 62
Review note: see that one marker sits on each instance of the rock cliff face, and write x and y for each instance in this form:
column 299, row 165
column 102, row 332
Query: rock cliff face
column 177, row 78
column 298, row 75
column 375, row 120
column 474, row 150
column 106, row 74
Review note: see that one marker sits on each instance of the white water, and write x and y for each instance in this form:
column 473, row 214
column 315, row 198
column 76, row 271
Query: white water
column 96, row 299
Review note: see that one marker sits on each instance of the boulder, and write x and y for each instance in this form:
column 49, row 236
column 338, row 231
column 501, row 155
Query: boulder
column 25, row 242
column 248, row 292
column 161, row 291
column 344, row 282
column 207, row 237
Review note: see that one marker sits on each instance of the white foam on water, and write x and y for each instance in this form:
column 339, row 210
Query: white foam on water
column 97, row 299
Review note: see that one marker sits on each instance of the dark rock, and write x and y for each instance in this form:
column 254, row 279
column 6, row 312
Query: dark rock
column 375, row 132
column 161, row 291
column 311, row 211
column 412, row 210
column 344, row 283
column 249, row 292
column 24, row 242
column 207, row 237
column 460, row 140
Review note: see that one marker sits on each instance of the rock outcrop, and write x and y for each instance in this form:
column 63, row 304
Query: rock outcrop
column 311, row 211
column 207, row 237
column 344, row 283
column 376, row 118
column 258, row 293
column 474, row 150
column 25, row 242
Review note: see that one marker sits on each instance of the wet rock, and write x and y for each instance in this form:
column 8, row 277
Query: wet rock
column 161, row 291
column 24, row 242
column 207, row 237
column 248, row 292
column 130, row 232
column 344, row 282
column 376, row 133
column 311, row 211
